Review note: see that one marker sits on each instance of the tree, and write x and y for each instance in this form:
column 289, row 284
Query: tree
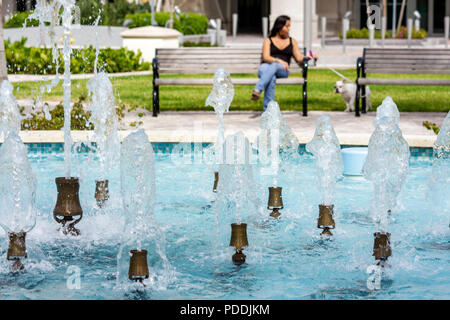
column 3, row 70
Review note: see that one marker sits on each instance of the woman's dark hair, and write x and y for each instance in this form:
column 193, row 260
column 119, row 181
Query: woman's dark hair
column 280, row 22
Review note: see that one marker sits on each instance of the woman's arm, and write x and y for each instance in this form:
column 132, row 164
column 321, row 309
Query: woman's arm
column 296, row 52
column 268, row 58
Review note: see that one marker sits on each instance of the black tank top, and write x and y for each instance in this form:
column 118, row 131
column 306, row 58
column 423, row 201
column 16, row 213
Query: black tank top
column 285, row 54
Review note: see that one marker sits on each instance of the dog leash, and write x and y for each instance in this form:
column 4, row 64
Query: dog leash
column 339, row 74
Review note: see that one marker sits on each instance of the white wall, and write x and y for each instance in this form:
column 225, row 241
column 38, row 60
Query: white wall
column 295, row 10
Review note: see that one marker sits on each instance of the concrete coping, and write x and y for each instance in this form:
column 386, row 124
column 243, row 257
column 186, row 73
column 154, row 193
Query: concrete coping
column 150, row 32
column 168, row 136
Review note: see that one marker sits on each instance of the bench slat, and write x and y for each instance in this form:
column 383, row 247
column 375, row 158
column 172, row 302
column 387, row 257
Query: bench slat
column 406, row 51
column 411, row 66
column 240, row 81
column 407, row 58
column 418, row 82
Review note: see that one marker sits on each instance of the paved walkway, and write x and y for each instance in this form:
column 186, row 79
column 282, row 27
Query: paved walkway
column 202, row 127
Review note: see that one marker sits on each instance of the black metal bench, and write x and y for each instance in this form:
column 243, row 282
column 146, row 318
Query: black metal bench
column 426, row 61
column 207, row 60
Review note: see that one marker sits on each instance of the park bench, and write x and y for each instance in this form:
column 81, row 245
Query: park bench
column 424, row 61
column 207, row 60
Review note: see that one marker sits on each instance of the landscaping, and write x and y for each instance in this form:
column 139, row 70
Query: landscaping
column 21, row 59
column 115, row 14
column 402, row 34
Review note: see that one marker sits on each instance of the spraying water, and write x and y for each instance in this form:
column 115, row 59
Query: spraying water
column 387, row 161
column 17, row 187
column 236, row 186
column 328, row 157
column 276, row 139
column 104, row 118
column 439, row 183
column 10, row 118
column 141, row 232
column 48, row 11
column 220, row 98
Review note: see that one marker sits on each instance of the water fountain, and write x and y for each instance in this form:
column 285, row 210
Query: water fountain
column 68, row 211
column 17, row 180
column 275, row 138
column 17, row 197
column 220, row 98
column 104, row 118
column 235, row 192
column 141, row 234
column 439, row 182
column 329, row 164
column 387, row 167
column 10, row 118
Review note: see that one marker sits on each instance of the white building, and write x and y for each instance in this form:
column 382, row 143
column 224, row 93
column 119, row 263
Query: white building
column 250, row 12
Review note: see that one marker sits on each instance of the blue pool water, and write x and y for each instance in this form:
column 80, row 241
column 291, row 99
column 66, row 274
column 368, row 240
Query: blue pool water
column 286, row 259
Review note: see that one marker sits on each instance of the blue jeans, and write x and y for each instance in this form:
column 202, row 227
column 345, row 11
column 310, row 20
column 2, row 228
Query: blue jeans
column 268, row 74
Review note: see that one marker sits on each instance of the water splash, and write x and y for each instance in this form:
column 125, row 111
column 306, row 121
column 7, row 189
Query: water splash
column 104, row 118
column 220, row 99
column 237, row 188
column 10, row 118
column 48, row 11
column 275, row 140
column 439, row 183
column 387, row 161
column 328, row 157
column 17, row 187
column 137, row 173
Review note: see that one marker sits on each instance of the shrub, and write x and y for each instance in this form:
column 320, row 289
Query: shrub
column 431, row 126
column 403, row 34
column 198, row 44
column 79, row 117
column 30, row 60
column 18, row 19
column 187, row 23
column 112, row 14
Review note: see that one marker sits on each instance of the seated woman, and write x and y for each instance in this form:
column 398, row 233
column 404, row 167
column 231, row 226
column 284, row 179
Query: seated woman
column 278, row 50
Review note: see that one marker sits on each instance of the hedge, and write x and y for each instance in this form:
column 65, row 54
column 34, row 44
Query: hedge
column 187, row 23
column 31, row 60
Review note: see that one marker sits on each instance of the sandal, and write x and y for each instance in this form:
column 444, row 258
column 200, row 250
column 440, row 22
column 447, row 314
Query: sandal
column 255, row 95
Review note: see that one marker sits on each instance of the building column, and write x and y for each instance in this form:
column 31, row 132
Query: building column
column 295, row 10
column 430, row 16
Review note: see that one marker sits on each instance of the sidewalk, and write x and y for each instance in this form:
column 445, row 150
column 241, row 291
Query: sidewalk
column 202, row 127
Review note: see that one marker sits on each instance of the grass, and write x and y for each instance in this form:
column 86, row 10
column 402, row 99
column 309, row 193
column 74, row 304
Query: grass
column 136, row 91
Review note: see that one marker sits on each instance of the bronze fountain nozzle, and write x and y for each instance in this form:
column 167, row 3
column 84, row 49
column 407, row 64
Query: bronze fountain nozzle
column 275, row 202
column 101, row 192
column 238, row 240
column 382, row 247
column 138, row 270
column 68, row 205
column 326, row 221
column 216, row 181
column 17, row 249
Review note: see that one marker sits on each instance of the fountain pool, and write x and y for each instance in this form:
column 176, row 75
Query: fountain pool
column 286, row 257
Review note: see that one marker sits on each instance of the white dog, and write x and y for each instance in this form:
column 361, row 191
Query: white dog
column 348, row 93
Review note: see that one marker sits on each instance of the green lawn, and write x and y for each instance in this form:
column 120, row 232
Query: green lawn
column 136, row 91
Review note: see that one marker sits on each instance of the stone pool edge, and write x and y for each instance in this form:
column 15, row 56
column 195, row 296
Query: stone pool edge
column 207, row 136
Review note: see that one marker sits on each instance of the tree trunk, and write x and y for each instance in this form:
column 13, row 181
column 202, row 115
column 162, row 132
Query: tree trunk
column 3, row 70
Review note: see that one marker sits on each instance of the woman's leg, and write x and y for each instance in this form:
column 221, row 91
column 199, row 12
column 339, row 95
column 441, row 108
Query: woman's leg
column 265, row 73
column 269, row 93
